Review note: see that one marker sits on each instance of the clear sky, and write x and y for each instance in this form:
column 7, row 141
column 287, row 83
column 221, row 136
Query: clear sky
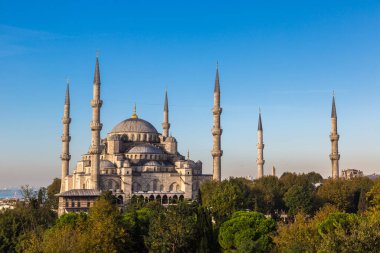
column 284, row 56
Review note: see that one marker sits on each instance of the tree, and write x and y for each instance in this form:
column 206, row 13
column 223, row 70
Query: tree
column 223, row 198
column 335, row 231
column 53, row 189
column 345, row 194
column 302, row 234
column 268, row 193
column 247, row 232
column 374, row 195
column 174, row 230
column 299, row 199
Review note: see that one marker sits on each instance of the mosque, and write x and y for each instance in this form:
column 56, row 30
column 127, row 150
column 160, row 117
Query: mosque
column 134, row 160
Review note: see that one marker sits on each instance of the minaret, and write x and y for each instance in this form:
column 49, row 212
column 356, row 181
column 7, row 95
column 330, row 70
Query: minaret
column 260, row 149
column 334, row 138
column 273, row 171
column 216, row 151
column 165, row 123
column 65, row 156
column 95, row 126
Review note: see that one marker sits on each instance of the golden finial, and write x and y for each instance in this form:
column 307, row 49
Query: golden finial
column 134, row 115
column 97, row 53
column 188, row 154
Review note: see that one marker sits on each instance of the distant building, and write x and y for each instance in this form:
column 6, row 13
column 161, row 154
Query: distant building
column 351, row 173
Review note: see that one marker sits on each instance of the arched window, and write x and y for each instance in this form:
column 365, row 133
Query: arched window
column 110, row 185
column 148, row 187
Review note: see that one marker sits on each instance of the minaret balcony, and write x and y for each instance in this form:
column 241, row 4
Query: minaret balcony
column 334, row 156
column 65, row 157
column 66, row 120
column 65, row 138
column 217, row 110
column 260, row 162
column 165, row 125
column 334, row 137
column 96, row 125
column 260, row 146
column 96, row 103
column 216, row 153
column 216, row 131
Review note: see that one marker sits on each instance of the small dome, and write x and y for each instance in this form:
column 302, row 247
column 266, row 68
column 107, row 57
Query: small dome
column 105, row 164
column 134, row 125
column 145, row 149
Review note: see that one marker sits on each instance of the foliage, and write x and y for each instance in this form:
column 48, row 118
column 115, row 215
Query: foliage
column 302, row 235
column 345, row 194
column 247, row 232
column 174, row 230
column 53, row 189
column 299, row 199
column 226, row 197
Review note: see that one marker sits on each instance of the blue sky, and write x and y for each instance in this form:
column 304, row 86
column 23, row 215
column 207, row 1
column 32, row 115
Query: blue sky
column 284, row 56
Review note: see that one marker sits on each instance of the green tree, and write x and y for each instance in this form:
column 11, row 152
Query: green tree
column 174, row 230
column 302, row 234
column 268, row 193
column 247, row 232
column 53, row 189
column 299, row 199
column 223, row 198
column 345, row 194
column 335, row 231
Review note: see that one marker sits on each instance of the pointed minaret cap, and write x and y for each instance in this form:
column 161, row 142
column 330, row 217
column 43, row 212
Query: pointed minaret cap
column 217, row 86
column 134, row 115
column 67, row 97
column 97, row 73
column 333, row 110
column 259, row 125
column 166, row 107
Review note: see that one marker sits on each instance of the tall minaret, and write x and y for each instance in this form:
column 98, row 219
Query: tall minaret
column 165, row 123
column 334, row 137
column 65, row 156
column 95, row 126
column 260, row 149
column 216, row 151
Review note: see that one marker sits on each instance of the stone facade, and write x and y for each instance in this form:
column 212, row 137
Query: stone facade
column 134, row 160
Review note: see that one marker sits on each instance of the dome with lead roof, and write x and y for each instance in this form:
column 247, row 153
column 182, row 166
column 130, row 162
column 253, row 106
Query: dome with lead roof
column 134, row 125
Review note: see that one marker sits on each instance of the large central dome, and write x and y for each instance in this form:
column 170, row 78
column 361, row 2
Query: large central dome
column 134, row 125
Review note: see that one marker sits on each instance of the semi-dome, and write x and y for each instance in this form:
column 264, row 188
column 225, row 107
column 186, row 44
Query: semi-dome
column 134, row 125
column 152, row 163
column 145, row 149
column 105, row 164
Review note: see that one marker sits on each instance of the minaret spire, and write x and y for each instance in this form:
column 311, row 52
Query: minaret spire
column 260, row 149
column 165, row 123
column 65, row 156
column 334, row 138
column 96, row 127
column 216, row 151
